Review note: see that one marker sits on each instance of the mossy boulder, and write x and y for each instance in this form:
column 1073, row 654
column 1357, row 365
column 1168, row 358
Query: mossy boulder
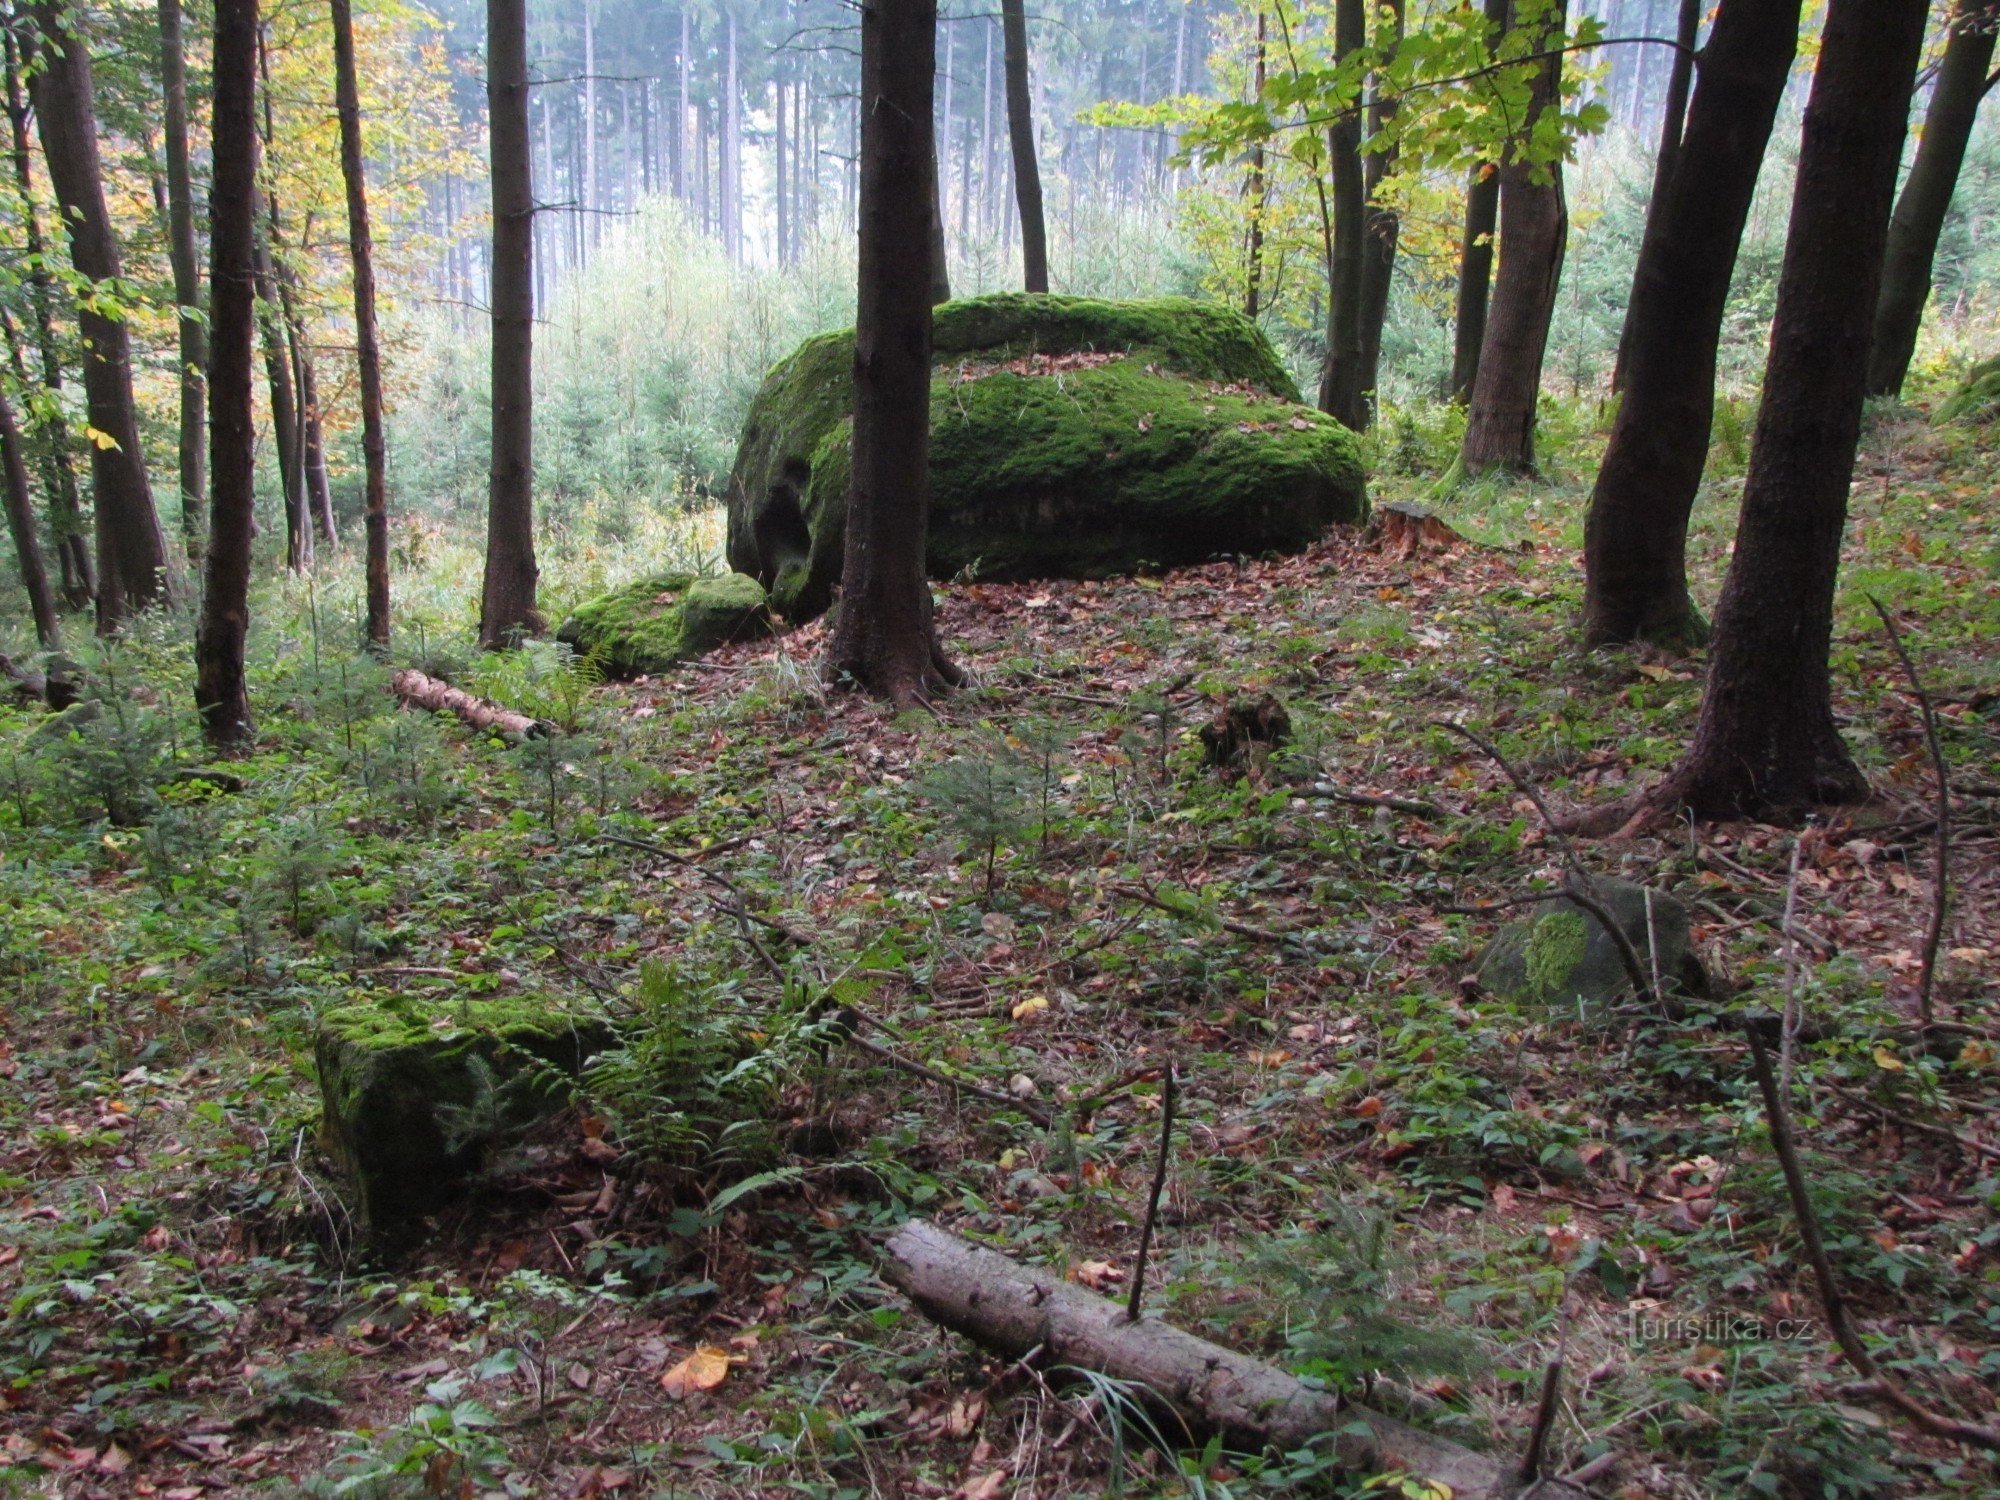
column 1069, row 438
column 1563, row 955
column 1977, row 398
column 416, row 1093
column 657, row 622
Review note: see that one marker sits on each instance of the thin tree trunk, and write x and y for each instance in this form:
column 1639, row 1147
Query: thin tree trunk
column 944, row 130
column 1475, row 251
column 221, row 694
column 732, row 150
column 1342, row 394
column 678, row 138
column 316, row 486
column 507, row 596
column 1383, row 228
column 1672, row 123
column 368, row 352
column 1253, row 289
column 780, row 201
column 73, row 551
column 1534, row 230
column 1021, row 133
column 940, row 265
column 187, row 285
column 986, row 161
column 591, row 202
column 284, row 405
column 134, row 570
column 1635, row 539
column 27, row 537
column 885, row 639
column 1766, row 743
column 1962, row 81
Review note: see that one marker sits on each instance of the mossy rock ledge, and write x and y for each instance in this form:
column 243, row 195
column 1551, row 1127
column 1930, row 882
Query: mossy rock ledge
column 1562, row 956
column 655, row 623
column 1977, row 398
column 1070, row 438
column 416, row 1092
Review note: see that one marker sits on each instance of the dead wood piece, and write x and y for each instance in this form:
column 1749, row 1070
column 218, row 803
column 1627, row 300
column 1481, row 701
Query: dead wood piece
column 1205, row 1388
column 1411, row 805
column 441, row 697
column 1402, row 530
column 1242, row 735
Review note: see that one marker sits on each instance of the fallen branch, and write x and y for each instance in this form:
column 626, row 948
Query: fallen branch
column 440, row 697
column 1880, row 1382
column 1941, row 872
column 1241, row 929
column 1011, row 1309
column 736, row 907
column 923, row 1070
column 1370, row 799
column 1167, row 1093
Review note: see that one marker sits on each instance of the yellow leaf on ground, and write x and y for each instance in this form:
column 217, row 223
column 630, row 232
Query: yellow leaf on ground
column 703, row 1370
column 1033, row 1005
column 1888, row 1061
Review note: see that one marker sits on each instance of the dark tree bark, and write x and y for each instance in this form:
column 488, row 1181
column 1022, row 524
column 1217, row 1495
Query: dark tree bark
column 368, row 350
column 221, row 695
column 507, row 597
column 133, row 568
column 73, row 550
column 1342, row 392
column 1766, row 744
column 187, row 284
column 1673, row 120
column 1475, row 252
column 1635, row 539
column 940, row 264
column 1021, row 134
column 20, row 503
column 1534, row 232
column 884, row 638
column 1962, row 81
column 1382, row 227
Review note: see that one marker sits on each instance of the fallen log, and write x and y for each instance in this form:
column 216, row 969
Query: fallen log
column 441, row 697
column 1204, row 1388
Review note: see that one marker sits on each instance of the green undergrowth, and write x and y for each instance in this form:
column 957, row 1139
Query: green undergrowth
column 1396, row 1184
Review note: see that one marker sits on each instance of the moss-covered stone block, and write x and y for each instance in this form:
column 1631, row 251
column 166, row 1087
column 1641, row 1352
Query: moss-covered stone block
column 658, row 622
column 416, row 1093
column 1977, row 398
column 1069, row 438
column 1563, row 955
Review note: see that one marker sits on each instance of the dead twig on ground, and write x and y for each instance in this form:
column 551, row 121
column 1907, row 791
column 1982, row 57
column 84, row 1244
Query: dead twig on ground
column 1152, row 898
column 1880, row 1382
column 1941, row 873
column 1167, row 1092
column 1412, row 805
column 851, row 1019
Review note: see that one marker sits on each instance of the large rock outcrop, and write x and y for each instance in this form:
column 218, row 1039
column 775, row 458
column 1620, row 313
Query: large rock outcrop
column 1069, row 438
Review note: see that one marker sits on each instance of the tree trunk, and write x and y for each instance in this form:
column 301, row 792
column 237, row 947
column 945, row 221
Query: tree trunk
column 133, row 568
column 507, row 597
column 1381, row 229
column 73, row 551
column 1672, row 122
column 221, row 695
column 731, row 173
column 940, row 265
column 779, row 199
column 368, row 351
column 590, row 203
column 1635, row 539
column 1342, row 394
column 1194, row 1385
column 1475, row 250
column 677, row 139
column 187, row 285
column 884, row 638
column 316, row 484
column 27, row 538
column 284, row 407
column 1766, row 743
column 1253, row 279
column 1534, row 229
column 1962, row 81
column 986, row 160
column 1021, row 133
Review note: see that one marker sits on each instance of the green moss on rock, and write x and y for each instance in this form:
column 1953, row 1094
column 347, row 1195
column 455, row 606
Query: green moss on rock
column 1977, row 398
column 414, row 1091
column 1070, row 438
column 651, row 625
column 1563, row 955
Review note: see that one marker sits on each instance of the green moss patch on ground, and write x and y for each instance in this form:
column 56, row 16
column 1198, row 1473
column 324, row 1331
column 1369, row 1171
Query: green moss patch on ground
column 658, row 622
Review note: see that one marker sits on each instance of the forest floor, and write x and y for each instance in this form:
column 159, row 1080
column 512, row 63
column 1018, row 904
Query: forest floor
column 1380, row 1168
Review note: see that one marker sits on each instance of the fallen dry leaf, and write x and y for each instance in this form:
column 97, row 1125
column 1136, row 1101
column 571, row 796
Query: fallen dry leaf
column 703, row 1370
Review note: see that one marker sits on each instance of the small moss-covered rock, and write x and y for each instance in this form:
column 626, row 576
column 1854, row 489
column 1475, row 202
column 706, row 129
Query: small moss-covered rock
column 416, row 1092
column 1977, row 398
column 1563, row 954
column 1069, row 438
column 657, row 622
